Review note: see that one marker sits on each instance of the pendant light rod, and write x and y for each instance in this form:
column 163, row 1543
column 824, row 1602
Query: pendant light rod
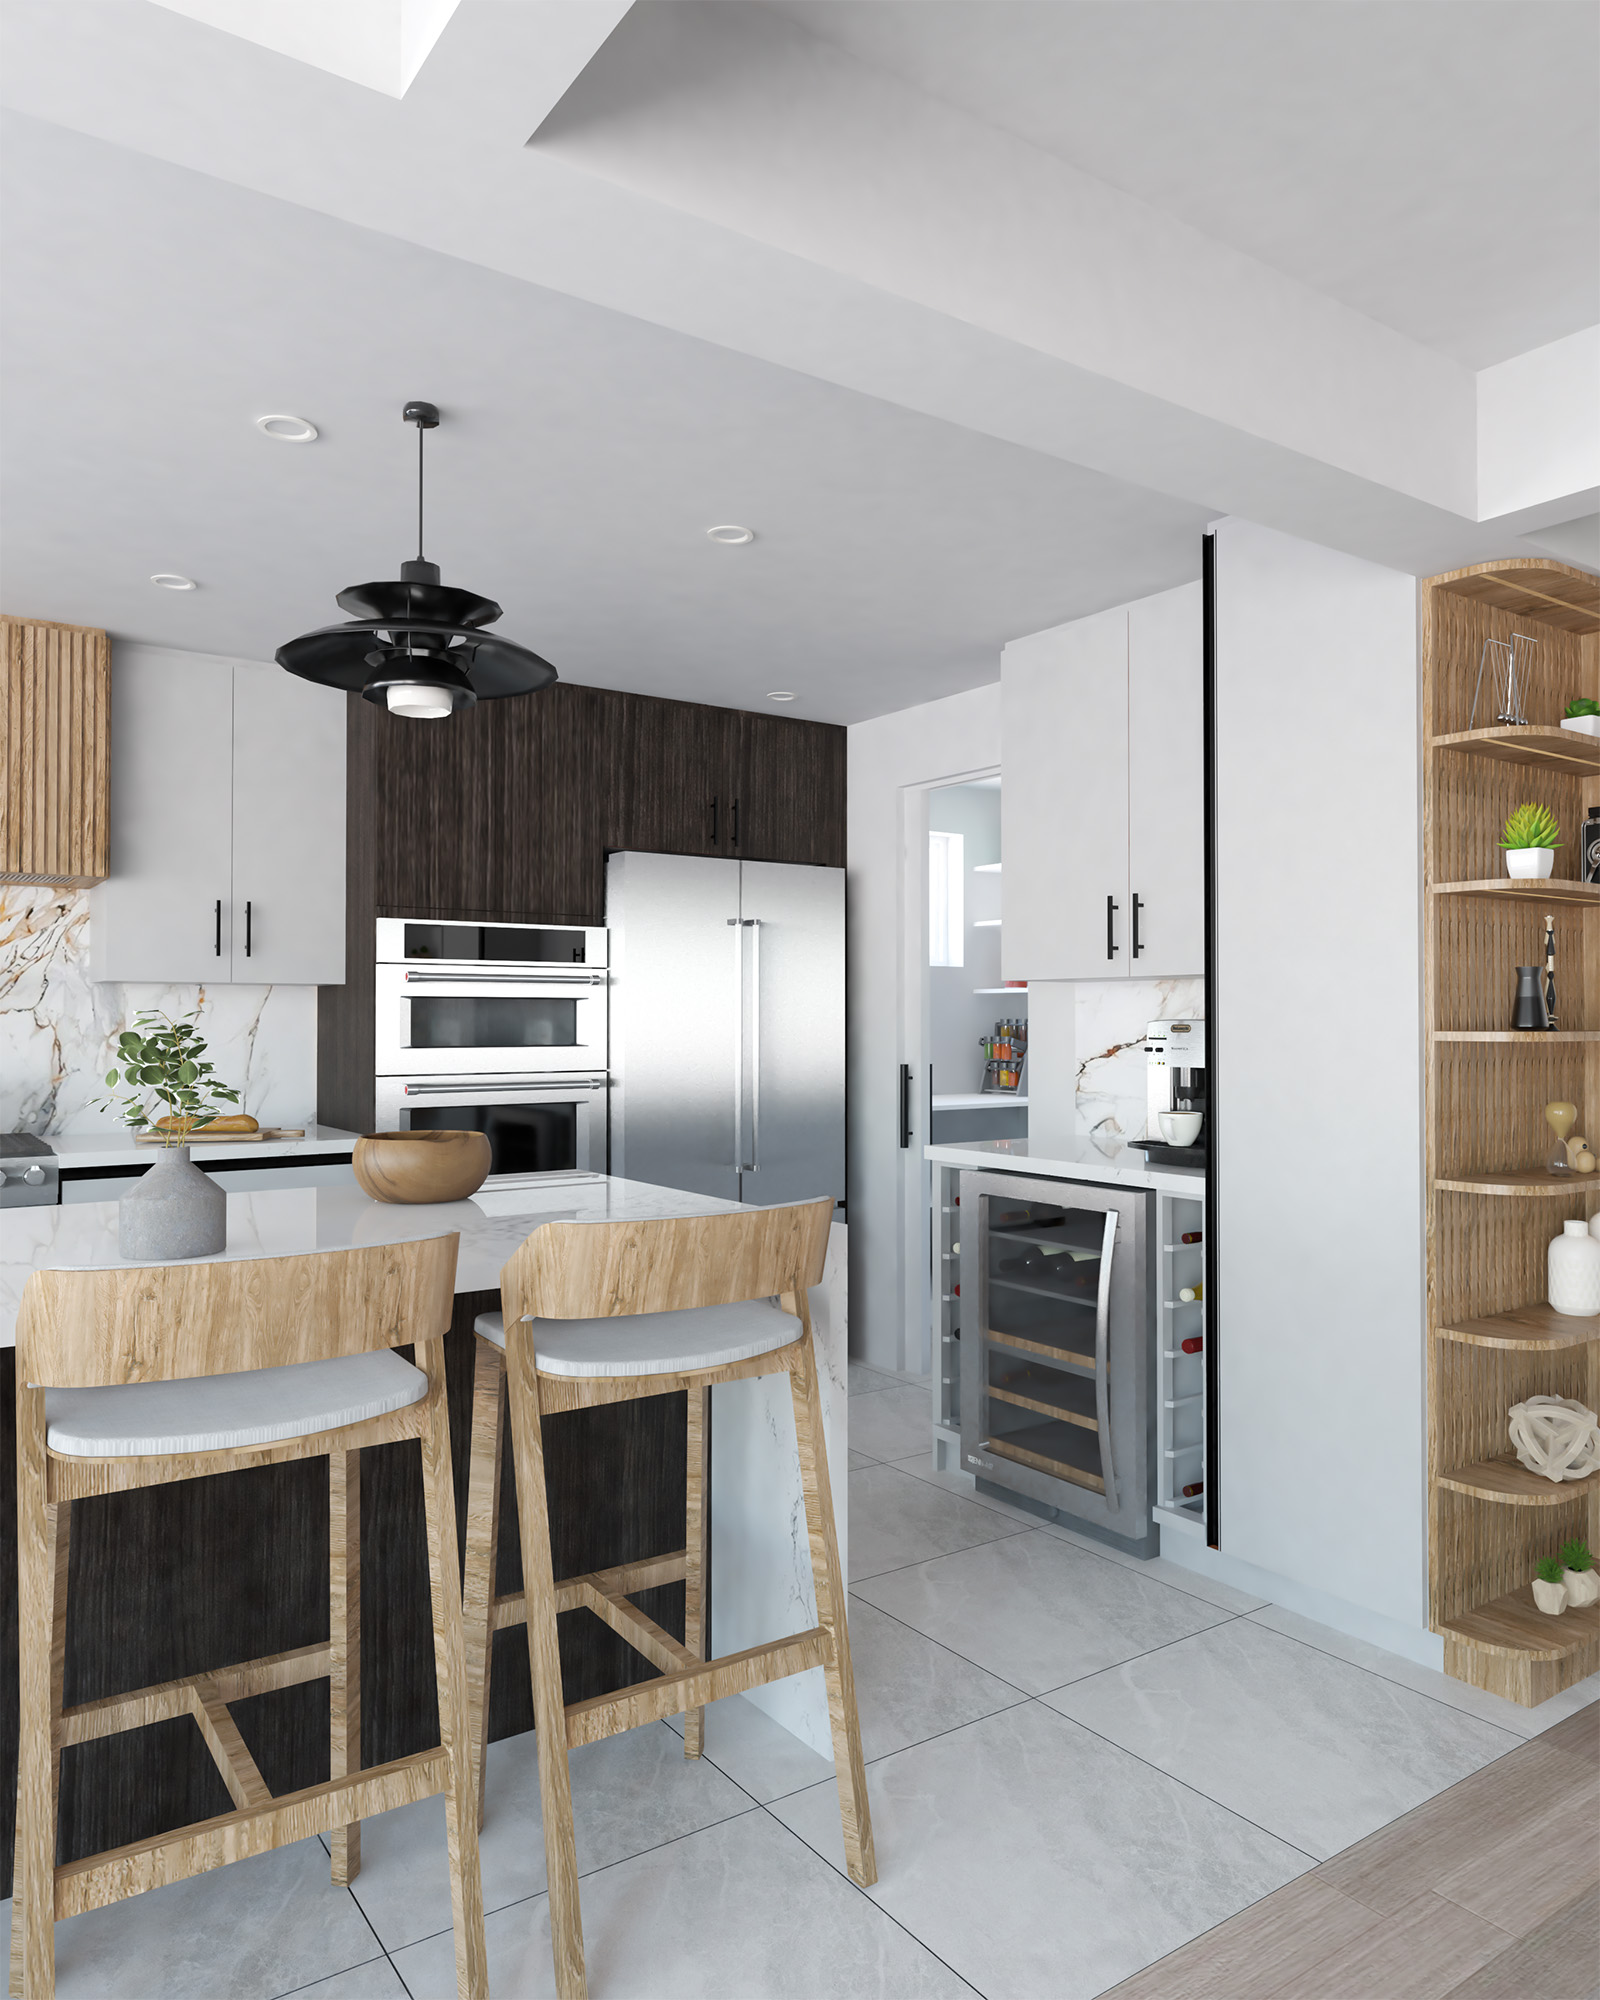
column 426, row 418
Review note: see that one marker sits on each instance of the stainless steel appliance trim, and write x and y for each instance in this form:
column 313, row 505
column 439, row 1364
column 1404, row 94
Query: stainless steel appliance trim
column 391, row 943
column 476, row 1086
column 461, row 975
column 753, row 925
column 1102, row 1384
column 736, row 925
column 397, row 985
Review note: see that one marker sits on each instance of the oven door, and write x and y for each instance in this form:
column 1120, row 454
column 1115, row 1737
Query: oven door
column 534, row 1124
column 463, row 1021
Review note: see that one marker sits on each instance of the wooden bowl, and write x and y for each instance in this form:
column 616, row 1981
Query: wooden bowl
column 421, row 1166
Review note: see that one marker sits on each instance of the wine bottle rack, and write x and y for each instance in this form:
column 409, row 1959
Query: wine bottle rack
column 1492, row 1207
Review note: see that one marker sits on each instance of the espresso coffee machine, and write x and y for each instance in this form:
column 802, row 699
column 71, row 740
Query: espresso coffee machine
column 1175, row 1073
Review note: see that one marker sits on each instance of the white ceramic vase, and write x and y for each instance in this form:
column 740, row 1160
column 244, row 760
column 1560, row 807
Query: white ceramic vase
column 1551, row 1597
column 1582, row 1585
column 1529, row 864
column 1574, row 1270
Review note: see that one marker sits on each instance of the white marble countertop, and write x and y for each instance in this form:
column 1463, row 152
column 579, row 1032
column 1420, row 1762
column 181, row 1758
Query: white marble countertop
column 1067, row 1159
column 83, row 1236
column 117, row 1149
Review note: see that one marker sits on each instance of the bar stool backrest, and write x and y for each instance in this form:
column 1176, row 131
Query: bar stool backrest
column 605, row 1270
column 166, row 1322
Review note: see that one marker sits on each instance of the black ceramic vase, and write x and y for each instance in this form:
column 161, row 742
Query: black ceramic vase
column 1529, row 1010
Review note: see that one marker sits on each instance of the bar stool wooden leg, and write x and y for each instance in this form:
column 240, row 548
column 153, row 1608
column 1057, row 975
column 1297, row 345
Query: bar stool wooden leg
column 696, row 1525
column 455, row 1729
column 849, row 1767
column 43, row 1552
column 344, row 1634
column 483, row 1546
column 544, row 1660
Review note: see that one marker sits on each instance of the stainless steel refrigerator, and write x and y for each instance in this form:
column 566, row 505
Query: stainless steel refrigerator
column 727, row 1026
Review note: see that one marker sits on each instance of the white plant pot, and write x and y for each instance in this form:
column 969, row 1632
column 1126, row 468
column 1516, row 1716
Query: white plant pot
column 1582, row 1585
column 1585, row 725
column 1529, row 864
column 1551, row 1597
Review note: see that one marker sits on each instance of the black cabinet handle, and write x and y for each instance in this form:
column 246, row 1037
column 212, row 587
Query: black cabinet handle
column 1138, row 905
column 734, row 841
column 1111, row 927
column 247, row 931
column 219, row 927
column 905, row 1106
column 713, row 822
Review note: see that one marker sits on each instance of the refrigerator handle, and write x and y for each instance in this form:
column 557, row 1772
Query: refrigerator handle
column 753, row 926
column 737, row 927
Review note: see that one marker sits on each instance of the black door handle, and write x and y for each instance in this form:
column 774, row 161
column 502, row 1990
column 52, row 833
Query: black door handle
column 219, row 927
column 247, row 930
column 713, row 822
column 734, row 839
column 1138, row 905
column 905, row 1106
column 1111, row 938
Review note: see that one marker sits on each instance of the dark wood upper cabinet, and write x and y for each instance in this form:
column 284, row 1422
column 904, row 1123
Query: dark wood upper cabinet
column 790, row 791
column 680, row 778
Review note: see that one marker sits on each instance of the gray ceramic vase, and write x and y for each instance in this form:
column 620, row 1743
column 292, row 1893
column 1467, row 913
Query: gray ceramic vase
column 173, row 1211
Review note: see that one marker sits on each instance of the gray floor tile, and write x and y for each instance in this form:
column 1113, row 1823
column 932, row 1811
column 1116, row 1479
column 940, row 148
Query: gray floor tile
column 892, row 1422
column 908, row 1688
column 1319, row 1752
column 1042, row 1863
column 862, row 1380
column 1035, row 1611
column 253, row 1930
column 760, row 1755
column 629, row 1792
column 1524, row 1722
column 376, row 1980
column 741, row 1911
column 895, row 1521
column 857, row 1459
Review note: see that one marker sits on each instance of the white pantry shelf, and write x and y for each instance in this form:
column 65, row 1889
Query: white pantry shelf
column 986, row 867
column 986, row 923
column 972, row 1100
column 1014, row 991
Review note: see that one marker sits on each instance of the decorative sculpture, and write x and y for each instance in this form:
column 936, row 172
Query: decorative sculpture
column 1555, row 1437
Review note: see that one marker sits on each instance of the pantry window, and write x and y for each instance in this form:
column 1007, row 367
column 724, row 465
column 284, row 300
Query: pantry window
column 946, row 913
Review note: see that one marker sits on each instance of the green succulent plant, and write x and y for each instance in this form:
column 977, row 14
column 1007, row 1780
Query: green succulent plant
column 1549, row 1569
column 158, row 1060
column 1532, row 826
column 1575, row 1554
column 1582, row 705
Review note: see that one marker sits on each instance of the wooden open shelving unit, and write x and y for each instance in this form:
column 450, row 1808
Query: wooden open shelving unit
column 1492, row 1207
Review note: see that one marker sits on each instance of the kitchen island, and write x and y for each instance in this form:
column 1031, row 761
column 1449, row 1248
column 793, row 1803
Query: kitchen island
column 177, row 1579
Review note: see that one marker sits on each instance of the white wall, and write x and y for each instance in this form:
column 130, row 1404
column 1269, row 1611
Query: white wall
column 1318, row 1104
column 1539, row 426
column 940, row 741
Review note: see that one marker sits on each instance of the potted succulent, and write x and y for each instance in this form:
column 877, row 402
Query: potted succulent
column 1578, row 1573
column 1549, row 1592
column 174, row 1210
column 1583, row 715
column 1530, row 840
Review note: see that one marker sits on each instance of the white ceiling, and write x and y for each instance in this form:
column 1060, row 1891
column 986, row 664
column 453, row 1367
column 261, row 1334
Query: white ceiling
column 583, row 456
column 1434, row 164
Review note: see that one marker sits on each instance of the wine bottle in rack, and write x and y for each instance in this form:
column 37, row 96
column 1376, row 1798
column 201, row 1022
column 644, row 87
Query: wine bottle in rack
column 1193, row 1345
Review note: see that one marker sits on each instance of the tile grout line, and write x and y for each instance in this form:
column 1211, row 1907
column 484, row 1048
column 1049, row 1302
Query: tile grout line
column 901, row 1568
column 906, row 1626
column 1149, row 1653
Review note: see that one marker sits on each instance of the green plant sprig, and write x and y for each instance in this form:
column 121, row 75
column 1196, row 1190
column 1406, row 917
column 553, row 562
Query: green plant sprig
column 159, row 1062
column 1532, row 826
column 1548, row 1569
column 1582, row 705
column 1575, row 1555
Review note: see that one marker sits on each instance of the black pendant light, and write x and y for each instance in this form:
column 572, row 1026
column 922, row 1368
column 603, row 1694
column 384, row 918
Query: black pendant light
column 417, row 647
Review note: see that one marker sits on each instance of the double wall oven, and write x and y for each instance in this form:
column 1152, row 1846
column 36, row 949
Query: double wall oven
column 498, row 1028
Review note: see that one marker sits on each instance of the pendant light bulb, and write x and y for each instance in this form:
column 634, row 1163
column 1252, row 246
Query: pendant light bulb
column 418, row 701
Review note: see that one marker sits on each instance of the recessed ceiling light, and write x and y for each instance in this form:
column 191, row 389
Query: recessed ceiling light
column 170, row 580
column 287, row 430
column 730, row 537
column 780, row 694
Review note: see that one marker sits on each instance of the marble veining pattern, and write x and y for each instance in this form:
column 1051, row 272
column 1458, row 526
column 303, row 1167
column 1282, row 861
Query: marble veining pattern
column 1111, row 1016
column 58, row 1027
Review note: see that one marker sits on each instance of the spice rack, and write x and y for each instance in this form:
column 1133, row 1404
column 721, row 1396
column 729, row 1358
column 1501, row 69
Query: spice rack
column 1492, row 1207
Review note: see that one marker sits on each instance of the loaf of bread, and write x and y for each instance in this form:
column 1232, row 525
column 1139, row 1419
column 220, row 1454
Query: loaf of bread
column 239, row 1122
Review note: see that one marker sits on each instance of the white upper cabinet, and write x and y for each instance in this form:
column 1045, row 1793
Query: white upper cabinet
column 227, row 826
column 1102, row 821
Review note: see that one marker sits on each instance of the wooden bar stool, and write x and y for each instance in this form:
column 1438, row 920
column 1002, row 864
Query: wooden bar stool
column 606, row 1312
column 130, row 1378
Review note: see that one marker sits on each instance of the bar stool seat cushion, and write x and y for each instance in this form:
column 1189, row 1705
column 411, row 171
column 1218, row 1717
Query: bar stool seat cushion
column 666, row 1343
column 230, row 1412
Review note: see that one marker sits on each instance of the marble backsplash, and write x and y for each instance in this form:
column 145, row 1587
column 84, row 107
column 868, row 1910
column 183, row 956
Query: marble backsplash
column 58, row 1029
column 1110, row 1018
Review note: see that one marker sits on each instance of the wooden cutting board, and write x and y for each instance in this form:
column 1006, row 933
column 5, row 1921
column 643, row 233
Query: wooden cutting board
column 218, row 1138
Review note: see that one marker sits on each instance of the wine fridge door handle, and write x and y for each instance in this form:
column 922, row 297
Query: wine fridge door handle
column 1111, row 927
column 737, row 929
column 1102, row 1331
column 905, row 1106
column 1138, row 905
column 247, row 927
column 753, row 926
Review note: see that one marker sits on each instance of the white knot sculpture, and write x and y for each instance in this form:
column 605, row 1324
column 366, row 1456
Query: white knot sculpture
column 1556, row 1437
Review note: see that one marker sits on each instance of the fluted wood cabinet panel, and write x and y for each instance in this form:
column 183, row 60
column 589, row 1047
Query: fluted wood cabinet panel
column 55, row 742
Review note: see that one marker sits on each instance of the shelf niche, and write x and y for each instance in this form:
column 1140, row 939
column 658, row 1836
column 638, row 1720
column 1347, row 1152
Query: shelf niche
column 1492, row 1208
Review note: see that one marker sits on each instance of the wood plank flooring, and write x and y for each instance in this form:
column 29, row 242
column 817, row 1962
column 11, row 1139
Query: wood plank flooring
column 1487, row 1892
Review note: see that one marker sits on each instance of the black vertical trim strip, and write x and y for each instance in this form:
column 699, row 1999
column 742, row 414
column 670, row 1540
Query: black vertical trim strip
column 1208, row 614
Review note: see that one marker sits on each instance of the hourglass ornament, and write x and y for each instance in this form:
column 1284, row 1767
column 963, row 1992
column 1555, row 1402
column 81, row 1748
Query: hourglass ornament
column 1560, row 1117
